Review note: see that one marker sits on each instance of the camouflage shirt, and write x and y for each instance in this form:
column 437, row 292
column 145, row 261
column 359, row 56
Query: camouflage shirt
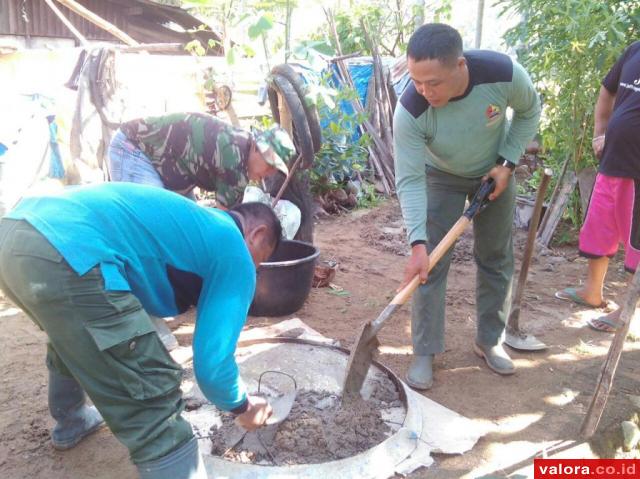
column 195, row 149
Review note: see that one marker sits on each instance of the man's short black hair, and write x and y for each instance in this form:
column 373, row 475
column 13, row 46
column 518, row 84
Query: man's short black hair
column 256, row 214
column 435, row 41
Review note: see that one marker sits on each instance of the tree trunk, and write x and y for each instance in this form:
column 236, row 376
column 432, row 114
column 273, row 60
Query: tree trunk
column 418, row 14
column 479, row 22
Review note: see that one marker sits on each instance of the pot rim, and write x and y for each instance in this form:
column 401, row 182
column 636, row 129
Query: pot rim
column 292, row 262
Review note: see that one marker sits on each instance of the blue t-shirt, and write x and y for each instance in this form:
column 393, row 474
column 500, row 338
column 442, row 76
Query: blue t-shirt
column 621, row 154
column 170, row 253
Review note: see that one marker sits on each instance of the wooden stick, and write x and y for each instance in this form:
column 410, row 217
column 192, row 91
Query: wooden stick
column 66, row 22
column 513, row 325
column 344, row 57
column 99, row 21
column 605, row 381
column 286, row 181
column 233, row 116
column 382, row 167
column 151, row 47
column 378, row 166
column 385, row 127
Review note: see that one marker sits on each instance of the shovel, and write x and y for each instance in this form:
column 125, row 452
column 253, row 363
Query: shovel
column 514, row 337
column 367, row 342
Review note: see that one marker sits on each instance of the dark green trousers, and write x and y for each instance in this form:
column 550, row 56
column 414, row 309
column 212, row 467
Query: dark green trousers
column 493, row 253
column 103, row 339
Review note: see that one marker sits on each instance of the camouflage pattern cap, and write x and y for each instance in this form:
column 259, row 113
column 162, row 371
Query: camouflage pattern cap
column 278, row 140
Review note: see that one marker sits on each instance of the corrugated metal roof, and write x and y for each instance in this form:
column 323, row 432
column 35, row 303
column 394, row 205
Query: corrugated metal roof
column 35, row 18
column 144, row 20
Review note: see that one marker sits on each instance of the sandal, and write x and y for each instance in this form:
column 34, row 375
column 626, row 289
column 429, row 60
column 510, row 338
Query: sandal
column 603, row 325
column 571, row 294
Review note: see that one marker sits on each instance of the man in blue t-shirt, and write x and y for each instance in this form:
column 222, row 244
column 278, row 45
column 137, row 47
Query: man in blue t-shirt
column 613, row 216
column 90, row 265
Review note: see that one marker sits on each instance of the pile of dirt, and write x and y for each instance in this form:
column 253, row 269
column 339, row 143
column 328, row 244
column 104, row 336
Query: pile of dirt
column 320, row 428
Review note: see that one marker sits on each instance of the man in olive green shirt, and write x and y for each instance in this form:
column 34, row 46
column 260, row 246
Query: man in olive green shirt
column 451, row 131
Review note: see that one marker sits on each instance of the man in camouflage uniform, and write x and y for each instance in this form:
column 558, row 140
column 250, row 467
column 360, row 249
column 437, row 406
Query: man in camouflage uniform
column 180, row 151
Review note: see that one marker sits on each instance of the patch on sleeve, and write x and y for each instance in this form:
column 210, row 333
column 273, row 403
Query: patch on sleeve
column 413, row 101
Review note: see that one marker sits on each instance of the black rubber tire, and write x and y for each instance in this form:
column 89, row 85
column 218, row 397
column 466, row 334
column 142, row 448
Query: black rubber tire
column 310, row 110
column 301, row 134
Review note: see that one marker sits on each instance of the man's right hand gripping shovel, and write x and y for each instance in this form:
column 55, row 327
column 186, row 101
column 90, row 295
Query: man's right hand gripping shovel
column 416, row 273
column 420, row 262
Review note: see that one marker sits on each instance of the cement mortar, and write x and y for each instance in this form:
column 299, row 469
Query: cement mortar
column 319, row 429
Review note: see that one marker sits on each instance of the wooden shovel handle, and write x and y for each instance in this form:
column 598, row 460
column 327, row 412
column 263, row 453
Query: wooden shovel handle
column 286, row 181
column 438, row 252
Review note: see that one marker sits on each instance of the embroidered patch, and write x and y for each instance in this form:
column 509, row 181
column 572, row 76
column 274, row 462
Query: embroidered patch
column 493, row 114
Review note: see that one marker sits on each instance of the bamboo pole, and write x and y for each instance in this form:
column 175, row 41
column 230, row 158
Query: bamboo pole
column 385, row 127
column 66, row 22
column 98, row 21
column 605, row 380
column 377, row 157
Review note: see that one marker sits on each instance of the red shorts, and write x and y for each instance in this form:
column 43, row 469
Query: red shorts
column 613, row 217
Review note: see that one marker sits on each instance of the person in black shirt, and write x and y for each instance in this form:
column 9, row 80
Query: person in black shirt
column 613, row 215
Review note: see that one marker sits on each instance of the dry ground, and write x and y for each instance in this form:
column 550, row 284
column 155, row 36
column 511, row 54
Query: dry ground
column 539, row 408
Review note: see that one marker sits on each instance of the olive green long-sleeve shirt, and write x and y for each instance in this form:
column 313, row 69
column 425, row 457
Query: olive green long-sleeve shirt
column 466, row 136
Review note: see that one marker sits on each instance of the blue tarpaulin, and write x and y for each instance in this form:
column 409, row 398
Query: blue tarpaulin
column 360, row 73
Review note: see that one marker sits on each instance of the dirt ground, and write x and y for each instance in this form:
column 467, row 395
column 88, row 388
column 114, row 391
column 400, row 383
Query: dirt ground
column 537, row 411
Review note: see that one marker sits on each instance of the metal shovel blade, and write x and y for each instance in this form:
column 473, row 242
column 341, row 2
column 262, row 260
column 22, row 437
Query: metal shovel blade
column 524, row 342
column 281, row 407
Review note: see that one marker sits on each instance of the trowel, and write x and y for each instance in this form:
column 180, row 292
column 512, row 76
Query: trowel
column 514, row 337
column 281, row 406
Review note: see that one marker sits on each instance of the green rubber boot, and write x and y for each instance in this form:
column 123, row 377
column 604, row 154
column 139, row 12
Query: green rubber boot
column 74, row 419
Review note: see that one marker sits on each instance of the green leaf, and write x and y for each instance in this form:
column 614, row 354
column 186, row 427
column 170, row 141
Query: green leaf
column 248, row 51
column 231, row 56
column 261, row 27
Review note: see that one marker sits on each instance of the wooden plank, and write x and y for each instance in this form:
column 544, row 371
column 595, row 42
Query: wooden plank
column 586, row 180
column 559, row 204
column 98, row 21
column 153, row 47
column 10, row 8
column 66, row 22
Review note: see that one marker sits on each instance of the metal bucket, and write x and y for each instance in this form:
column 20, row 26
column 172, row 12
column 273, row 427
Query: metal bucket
column 284, row 280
